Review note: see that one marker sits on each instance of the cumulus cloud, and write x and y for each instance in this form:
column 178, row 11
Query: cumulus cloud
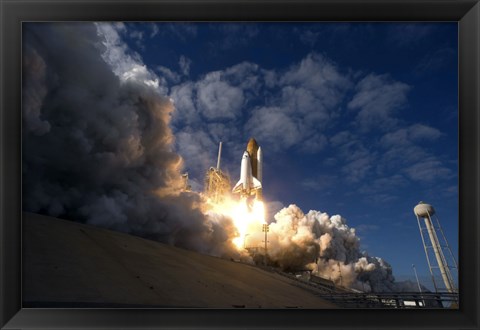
column 211, row 98
column 409, row 135
column 311, row 90
column 404, row 154
column 184, row 64
column 212, row 108
column 97, row 146
column 342, row 138
column 272, row 125
column 314, row 143
column 199, row 147
column 377, row 98
column 358, row 167
column 309, row 94
column 319, row 75
column 390, row 160
column 184, row 96
column 168, row 75
column 218, row 99
column 428, row 170
column 356, row 159
column 247, row 76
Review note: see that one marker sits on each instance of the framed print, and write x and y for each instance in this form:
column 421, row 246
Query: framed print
column 246, row 164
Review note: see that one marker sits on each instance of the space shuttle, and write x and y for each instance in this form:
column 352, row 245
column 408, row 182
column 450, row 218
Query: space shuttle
column 250, row 182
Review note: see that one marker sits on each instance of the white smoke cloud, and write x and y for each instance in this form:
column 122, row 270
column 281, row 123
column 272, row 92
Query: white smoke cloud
column 128, row 67
column 97, row 146
column 328, row 247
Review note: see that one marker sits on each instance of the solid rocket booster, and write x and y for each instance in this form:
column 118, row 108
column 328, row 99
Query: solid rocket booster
column 259, row 172
column 250, row 182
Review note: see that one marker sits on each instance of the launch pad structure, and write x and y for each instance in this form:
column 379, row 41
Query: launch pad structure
column 217, row 183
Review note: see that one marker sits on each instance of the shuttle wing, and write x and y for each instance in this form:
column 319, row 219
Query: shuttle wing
column 256, row 184
column 238, row 187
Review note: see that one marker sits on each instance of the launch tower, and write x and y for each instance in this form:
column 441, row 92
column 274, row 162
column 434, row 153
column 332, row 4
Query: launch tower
column 217, row 183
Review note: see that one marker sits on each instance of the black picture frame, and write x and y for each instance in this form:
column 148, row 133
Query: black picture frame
column 14, row 12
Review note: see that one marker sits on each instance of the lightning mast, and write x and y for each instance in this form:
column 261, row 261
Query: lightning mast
column 219, row 155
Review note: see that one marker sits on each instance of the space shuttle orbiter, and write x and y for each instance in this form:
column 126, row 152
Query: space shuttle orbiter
column 250, row 182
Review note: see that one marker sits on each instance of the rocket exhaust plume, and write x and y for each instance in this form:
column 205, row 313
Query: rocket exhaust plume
column 97, row 146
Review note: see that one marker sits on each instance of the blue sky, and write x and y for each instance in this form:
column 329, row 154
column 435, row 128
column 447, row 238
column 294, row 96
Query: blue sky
column 356, row 119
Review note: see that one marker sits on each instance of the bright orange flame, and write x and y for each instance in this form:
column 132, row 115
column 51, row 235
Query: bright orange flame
column 246, row 220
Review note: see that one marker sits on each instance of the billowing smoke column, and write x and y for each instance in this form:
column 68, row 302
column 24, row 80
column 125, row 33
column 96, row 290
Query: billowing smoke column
column 96, row 141
column 327, row 246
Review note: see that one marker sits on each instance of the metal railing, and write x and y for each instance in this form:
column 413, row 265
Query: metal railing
column 403, row 300
column 346, row 298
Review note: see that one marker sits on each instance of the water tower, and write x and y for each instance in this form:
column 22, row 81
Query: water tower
column 439, row 263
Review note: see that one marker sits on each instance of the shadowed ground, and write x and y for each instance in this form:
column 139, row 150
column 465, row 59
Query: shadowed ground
column 67, row 264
